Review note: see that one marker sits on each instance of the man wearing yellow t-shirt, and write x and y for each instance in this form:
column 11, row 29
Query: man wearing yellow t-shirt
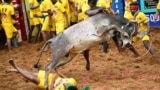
column 157, row 12
column 34, row 20
column 7, row 14
column 59, row 13
column 142, row 21
column 127, row 12
column 48, row 27
column 55, row 82
column 82, row 6
column 65, row 3
column 73, row 10
column 107, row 4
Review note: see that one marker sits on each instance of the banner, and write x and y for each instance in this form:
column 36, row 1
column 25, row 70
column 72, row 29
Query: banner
column 118, row 6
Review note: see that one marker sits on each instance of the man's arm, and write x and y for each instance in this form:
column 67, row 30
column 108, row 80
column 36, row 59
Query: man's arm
column 91, row 12
column 156, row 15
column 32, row 7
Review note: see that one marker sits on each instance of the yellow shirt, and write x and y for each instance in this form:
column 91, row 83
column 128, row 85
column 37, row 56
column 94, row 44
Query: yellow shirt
column 74, row 18
column 59, row 82
column 45, row 6
column 65, row 3
column 58, row 10
column 80, row 3
column 6, row 13
column 34, row 11
column 141, row 17
column 104, row 3
column 158, row 5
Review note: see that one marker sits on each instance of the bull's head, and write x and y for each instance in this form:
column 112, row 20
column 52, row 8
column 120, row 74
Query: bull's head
column 122, row 41
column 131, row 29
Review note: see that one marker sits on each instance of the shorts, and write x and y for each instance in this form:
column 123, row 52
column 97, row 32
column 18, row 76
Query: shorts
column 41, row 76
column 45, row 26
column 145, row 37
column 9, row 30
column 35, row 21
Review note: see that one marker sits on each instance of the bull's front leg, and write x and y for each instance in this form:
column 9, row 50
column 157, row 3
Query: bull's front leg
column 86, row 55
column 117, row 42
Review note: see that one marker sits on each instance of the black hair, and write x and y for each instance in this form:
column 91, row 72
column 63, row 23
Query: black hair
column 94, row 2
column 7, row 1
column 72, row 88
column 134, row 3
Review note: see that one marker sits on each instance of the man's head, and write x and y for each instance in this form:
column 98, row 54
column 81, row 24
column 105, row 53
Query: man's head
column 70, row 87
column 8, row 1
column 53, row 1
column 70, row 84
column 92, row 3
column 134, row 7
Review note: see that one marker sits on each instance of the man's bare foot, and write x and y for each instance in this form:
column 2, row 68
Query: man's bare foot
column 8, row 70
column 10, row 51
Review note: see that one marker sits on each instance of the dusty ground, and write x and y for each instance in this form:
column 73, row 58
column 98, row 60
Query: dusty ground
column 111, row 71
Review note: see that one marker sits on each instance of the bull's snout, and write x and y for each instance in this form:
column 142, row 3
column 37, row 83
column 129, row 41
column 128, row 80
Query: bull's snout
column 125, row 42
column 128, row 45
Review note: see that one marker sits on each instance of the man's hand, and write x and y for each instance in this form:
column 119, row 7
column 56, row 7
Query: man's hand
column 35, row 15
column 50, row 12
column 155, row 17
column 116, row 13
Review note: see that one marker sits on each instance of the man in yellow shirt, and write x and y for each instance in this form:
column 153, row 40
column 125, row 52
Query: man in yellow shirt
column 47, row 28
column 7, row 14
column 73, row 10
column 107, row 4
column 65, row 3
column 34, row 20
column 59, row 13
column 82, row 6
column 143, row 29
column 157, row 12
column 127, row 12
column 55, row 82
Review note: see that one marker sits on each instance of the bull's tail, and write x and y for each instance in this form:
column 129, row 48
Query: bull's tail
column 36, row 65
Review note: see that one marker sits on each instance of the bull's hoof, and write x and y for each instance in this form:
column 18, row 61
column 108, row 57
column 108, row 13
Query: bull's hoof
column 87, row 68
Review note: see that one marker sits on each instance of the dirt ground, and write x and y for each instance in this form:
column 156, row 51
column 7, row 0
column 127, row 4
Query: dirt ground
column 111, row 71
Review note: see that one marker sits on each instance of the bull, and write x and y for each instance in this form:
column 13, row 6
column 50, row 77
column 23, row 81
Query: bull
column 85, row 34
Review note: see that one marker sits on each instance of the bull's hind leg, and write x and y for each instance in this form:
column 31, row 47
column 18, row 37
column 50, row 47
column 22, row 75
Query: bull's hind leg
column 56, row 62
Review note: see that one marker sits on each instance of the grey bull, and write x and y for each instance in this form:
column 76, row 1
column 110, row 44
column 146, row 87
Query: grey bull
column 85, row 34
